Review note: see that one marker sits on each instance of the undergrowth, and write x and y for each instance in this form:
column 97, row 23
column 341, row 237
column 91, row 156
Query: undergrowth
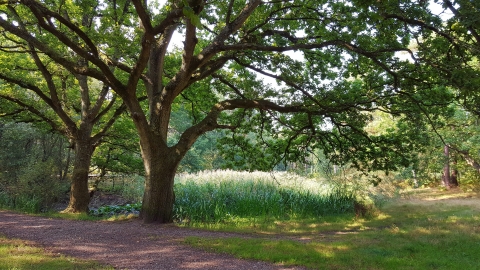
column 219, row 202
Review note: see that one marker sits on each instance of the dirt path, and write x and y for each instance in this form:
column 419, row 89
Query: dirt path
column 123, row 245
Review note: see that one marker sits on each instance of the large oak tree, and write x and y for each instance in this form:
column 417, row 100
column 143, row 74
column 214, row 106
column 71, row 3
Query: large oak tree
column 74, row 105
column 330, row 64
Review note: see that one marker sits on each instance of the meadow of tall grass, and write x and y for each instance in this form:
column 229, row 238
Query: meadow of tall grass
column 223, row 195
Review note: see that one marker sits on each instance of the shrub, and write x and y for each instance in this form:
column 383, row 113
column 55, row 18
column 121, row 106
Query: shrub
column 113, row 210
column 35, row 189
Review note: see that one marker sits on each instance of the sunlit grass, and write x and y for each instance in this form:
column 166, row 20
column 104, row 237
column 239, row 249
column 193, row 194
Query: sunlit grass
column 239, row 197
column 435, row 235
column 292, row 226
column 284, row 179
column 17, row 254
column 70, row 216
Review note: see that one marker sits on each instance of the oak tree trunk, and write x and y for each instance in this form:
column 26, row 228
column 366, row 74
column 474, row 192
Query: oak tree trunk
column 158, row 198
column 79, row 195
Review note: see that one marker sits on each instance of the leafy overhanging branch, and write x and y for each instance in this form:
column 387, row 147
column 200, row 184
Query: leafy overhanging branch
column 34, row 111
column 178, row 83
column 59, row 58
column 44, row 15
column 62, row 114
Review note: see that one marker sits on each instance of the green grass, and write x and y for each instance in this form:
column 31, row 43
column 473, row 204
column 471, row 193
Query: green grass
column 408, row 234
column 17, row 254
column 220, row 197
column 70, row 216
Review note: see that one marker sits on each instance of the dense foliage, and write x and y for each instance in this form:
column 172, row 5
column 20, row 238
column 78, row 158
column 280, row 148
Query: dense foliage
column 33, row 167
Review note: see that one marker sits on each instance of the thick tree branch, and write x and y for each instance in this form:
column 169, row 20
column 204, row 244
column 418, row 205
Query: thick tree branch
column 372, row 55
column 43, row 14
column 460, row 18
column 311, row 46
column 209, row 68
column 468, row 158
column 214, row 48
column 36, row 112
column 100, row 101
column 188, row 48
column 61, row 113
column 419, row 23
column 43, row 69
column 229, row 11
column 170, row 20
column 60, row 59
column 84, row 97
column 210, row 121
column 143, row 15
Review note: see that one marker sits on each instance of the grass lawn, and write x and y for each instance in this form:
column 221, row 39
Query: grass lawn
column 425, row 229
column 19, row 254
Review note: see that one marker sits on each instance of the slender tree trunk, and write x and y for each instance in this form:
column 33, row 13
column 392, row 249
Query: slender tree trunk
column 415, row 180
column 454, row 176
column 79, row 195
column 446, row 167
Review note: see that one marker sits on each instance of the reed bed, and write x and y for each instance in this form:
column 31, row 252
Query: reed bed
column 218, row 196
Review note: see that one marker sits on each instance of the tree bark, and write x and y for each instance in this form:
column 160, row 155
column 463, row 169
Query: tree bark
column 79, row 194
column 158, row 199
column 454, row 176
column 446, row 167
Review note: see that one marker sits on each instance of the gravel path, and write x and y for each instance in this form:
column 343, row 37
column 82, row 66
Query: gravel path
column 123, row 245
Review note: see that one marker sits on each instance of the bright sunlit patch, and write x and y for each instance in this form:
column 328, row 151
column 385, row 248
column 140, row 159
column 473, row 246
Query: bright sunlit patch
column 329, row 251
column 422, row 230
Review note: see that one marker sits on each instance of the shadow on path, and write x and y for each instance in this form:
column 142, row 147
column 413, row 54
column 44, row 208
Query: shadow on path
column 123, row 245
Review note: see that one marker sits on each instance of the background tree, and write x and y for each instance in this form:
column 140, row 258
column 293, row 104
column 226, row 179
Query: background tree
column 33, row 166
column 79, row 107
column 344, row 67
column 459, row 136
column 446, row 35
column 119, row 152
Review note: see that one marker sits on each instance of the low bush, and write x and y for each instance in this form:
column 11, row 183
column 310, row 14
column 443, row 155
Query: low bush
column 113, row 210
column 35, row 189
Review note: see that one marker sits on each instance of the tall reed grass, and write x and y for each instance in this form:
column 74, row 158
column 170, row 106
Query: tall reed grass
column 217, row 196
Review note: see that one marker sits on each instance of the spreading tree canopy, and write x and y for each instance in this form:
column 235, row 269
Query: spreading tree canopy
column 447, row 44
column 282, row 77
column 36, row 89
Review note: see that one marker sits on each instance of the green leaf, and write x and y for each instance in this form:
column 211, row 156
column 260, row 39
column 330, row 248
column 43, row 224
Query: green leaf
column 190, row 14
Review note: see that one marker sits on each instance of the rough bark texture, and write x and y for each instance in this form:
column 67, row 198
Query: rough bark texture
column 79, row 195
column 158, row 198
